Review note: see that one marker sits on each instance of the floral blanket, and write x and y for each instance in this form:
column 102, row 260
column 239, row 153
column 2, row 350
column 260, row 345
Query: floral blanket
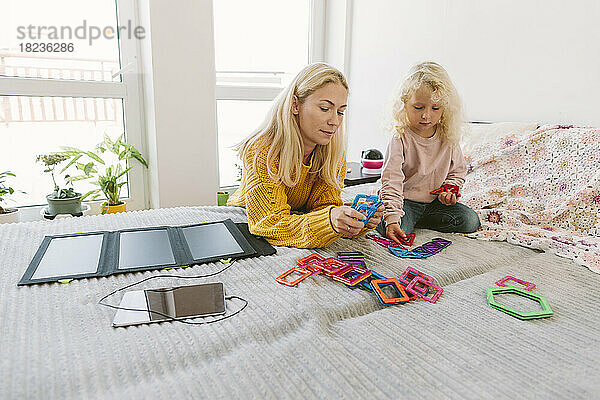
column 540, row 191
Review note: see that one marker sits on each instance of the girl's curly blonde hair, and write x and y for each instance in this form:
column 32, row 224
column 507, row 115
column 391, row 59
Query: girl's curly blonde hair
column 437, row 79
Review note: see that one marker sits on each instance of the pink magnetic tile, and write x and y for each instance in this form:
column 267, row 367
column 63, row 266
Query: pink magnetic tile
column 411, row 273
column 410, row 288
column 528, row 285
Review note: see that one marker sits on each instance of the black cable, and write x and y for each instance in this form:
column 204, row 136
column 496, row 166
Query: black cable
column 170, row 318
column 164, row 276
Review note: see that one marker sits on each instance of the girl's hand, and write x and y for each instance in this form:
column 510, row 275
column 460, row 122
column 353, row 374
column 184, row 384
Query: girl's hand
column 346, row 220
column 376, row 218
column 394, row 232
column 447, row 198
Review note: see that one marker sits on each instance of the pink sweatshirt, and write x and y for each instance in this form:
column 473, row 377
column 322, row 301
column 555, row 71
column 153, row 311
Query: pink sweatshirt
column 413, row 167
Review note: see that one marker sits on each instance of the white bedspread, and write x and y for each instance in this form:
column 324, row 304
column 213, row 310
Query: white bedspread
column 317, row 340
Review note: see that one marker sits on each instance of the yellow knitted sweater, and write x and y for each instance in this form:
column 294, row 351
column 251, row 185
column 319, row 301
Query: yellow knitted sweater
column 269, row 205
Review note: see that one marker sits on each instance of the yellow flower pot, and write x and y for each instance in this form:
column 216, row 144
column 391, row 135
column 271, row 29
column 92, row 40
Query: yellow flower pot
column 106, row 209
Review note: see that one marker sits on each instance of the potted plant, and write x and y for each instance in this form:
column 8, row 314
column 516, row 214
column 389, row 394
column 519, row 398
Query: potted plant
column 7, row 215
column 110, row 176
column 65, row 200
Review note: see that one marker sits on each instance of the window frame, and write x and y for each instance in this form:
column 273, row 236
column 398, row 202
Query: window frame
column 129, row 90
column 253, row 90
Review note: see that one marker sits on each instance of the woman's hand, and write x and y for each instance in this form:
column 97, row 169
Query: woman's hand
column 346, row 220
column 394, row 232
column 376, row 218
column 447, row 198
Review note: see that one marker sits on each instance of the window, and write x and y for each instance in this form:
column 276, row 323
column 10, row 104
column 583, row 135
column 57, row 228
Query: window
column 65, row 76
column 259, row 47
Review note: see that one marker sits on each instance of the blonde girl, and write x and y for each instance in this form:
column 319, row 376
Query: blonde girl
column 423, row 155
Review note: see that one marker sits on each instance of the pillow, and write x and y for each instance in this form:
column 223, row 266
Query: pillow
column 476, row 134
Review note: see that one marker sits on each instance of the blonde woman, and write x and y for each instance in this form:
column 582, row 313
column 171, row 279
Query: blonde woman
column 423, row 155
column 294, row 166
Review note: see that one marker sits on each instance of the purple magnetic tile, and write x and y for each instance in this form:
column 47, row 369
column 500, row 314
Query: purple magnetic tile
column 434, row 246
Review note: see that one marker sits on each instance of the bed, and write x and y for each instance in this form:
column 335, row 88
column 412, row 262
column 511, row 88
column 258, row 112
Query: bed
column 317, row 340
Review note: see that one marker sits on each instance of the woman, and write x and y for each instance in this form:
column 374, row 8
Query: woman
column 294, row 166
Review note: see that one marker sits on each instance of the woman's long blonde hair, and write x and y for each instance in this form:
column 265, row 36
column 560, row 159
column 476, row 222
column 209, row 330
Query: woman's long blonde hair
column 281, row 134
column 434, row 76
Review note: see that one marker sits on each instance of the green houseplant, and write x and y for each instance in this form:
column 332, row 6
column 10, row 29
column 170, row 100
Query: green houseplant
column 109, row 176
column 62, row 200
column 7, row 215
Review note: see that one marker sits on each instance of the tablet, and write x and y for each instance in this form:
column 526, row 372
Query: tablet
column 169, row 304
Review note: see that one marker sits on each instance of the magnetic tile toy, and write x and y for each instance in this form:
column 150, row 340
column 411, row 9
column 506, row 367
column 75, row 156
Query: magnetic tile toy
column 433, row 247
column 304, row 274
column 358, row 263
column 411, row 296
column 447, row 188
column 420, row 280
column 350, row 255
column 408, row 241
column 370, row 210
column 366, row 284
column 410, row 238
column 313, row 267
column 309, row 258
column 544, row 313
column 528, row 285
column 331, row 266
column 364, row 199
column 378, row 285
column 366, row 203
column 381, row 241
column 404, row 253
column 352, row 275
column 418, row 287
column 410, row 273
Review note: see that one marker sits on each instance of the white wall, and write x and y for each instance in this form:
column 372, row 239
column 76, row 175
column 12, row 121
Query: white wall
column 179, row 93
column 511, row 60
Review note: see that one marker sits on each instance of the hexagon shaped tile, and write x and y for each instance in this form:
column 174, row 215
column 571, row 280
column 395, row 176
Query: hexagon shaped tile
column 544, row 313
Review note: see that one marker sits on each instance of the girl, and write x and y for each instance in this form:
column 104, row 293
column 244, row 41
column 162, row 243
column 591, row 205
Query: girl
column 423, row 155
column 294, row 166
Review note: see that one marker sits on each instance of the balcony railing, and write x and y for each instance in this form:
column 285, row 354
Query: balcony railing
column 57, row 109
